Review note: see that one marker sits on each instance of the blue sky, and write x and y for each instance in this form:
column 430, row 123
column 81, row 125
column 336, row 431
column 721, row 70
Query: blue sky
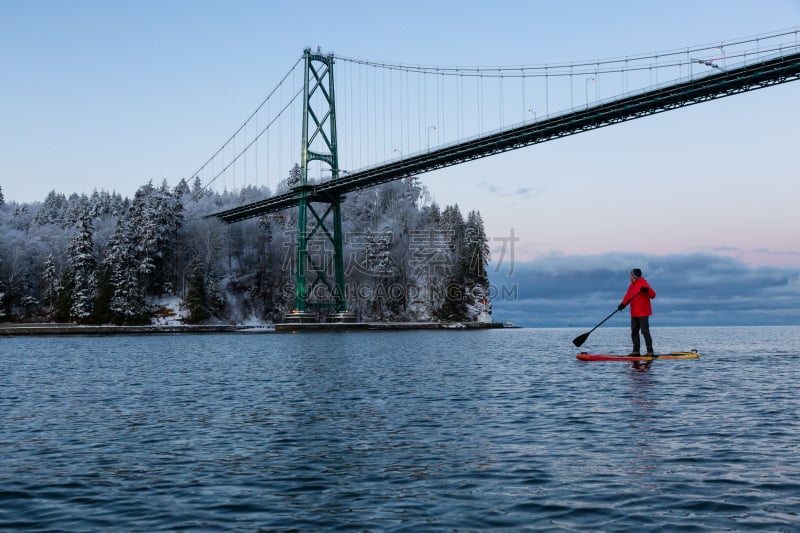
column 110, row 94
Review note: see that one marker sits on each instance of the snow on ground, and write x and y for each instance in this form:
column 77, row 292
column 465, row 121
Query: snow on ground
column 170, row 311
column 254, row 322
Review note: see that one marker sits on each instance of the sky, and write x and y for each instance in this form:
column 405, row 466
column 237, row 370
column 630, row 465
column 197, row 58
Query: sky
column 110, row 94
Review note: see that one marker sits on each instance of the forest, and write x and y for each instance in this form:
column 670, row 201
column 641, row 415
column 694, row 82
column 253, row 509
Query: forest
column 107, row 259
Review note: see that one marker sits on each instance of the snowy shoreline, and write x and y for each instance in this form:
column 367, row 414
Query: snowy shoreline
column 75, row 329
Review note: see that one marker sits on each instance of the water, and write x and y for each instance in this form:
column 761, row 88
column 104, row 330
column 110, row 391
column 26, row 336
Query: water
column 428, row 430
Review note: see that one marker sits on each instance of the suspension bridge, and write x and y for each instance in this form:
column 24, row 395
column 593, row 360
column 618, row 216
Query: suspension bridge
column 381, row 122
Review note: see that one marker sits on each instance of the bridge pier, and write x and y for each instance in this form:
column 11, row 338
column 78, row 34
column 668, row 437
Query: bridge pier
column 299, row 317
column 304, row 317
column 343, row 317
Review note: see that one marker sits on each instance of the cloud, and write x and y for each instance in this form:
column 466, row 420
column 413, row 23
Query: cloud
column 761, row 255
column 490, row 188
column 692, row 289
column 525, row 192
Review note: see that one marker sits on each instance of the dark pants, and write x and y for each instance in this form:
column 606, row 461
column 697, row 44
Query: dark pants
column 641, row 323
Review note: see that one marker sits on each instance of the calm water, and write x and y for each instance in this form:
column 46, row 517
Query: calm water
column 427, row 430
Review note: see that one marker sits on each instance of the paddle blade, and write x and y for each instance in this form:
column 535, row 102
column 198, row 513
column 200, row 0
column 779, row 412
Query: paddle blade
column 580, row 339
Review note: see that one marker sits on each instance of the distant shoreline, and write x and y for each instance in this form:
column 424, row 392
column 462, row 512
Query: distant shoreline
column 49, row 329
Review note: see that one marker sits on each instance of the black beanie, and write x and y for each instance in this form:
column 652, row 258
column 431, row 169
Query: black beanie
column 636, row 273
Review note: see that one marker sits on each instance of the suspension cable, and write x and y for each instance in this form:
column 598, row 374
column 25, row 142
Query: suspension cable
column 586, row 67
column 235, row 133
column 247, row 147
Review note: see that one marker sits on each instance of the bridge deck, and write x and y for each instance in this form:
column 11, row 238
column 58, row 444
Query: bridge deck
column 769, row 72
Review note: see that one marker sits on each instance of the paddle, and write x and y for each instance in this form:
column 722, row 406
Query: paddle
column 580, row 339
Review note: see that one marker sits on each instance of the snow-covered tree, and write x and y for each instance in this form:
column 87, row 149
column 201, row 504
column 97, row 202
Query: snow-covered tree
column 27, row 302
column 83, row 267
column 104, row 205
column 156, row 215
column 196, row 299
column 452, row 302
column 50, row 281
column 477, row 253
column 78, row 207
column 127, row 303
column 182, row 189
column 62, row 310
column 52, row 210
column 476, row 257
column 419, row 261
column 197, row 188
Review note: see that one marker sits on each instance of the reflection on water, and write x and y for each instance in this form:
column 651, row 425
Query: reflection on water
column 643, row 459
column 399, row 430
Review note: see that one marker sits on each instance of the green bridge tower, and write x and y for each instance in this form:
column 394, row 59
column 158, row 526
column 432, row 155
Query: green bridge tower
column 319, row 215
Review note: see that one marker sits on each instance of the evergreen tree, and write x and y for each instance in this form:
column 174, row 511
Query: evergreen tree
column 476, row 249
column 197, row 188
column 268, row 275
column 50, row 281
column 103, row 205
column 294, row 175
column 215, row 297
column 26, row 299
column 126, row 296
column 182, row 189
column 52, row 209
column 475, row 258
column 78, row 207
column 452, row 302
column 84, row 272
column 196, row 296
column 433, row 214
column 169, row 215
column 156, row 215
column 102, row 301
column 62, row 310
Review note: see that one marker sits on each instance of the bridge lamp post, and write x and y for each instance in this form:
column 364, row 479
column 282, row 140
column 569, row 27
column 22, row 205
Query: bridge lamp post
column 531, row 110
column 587, row 89
column 398, row 151
column 429, row 135
column 721, row 50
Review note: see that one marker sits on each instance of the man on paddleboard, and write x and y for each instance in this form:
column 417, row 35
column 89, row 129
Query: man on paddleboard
column 638, row 296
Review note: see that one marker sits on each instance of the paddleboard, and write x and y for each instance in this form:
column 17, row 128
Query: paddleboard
column 583, row 356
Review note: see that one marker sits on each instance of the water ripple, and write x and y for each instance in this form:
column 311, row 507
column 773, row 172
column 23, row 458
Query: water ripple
column 404, row 431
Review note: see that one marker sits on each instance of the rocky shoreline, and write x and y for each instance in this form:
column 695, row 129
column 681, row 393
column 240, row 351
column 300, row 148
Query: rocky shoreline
column 76, row 329
column 382, row 326
column 41, row 329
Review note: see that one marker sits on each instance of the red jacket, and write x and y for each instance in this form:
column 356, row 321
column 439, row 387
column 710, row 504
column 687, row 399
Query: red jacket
column 640, row 305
